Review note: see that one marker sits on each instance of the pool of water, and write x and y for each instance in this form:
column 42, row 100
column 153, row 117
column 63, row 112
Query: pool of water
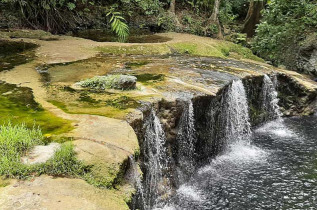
column 277, row 171
column 15, row 53
column 135, row 36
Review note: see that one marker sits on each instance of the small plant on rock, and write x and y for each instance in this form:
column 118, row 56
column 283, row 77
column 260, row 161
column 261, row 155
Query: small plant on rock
column 121, row 82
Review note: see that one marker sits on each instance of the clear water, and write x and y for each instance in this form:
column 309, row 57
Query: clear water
column 278, row 170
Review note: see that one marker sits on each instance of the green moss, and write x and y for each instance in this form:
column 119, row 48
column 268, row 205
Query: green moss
column 84, row 97
column 162, row 49
column 4, row 182
column 212, row 48
column 123, row 102
column 30, row 34
column 148, row 78
column 17, row 106
column 136, row 64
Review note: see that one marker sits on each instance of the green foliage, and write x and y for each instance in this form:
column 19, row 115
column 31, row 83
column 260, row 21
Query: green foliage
column 166, row 21
column 52, row 15
column 118, row 25
column 285, row 23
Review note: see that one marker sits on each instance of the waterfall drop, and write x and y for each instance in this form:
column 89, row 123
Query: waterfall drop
column 156, row 184
column 139, row 195
column 235, row 115
column 269, row 99
column 186, row 140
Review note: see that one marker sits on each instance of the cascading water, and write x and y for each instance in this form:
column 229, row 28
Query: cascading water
column 269, row 99
column 235, row 115
column 186, row 141
column 156, row 180
column 139, row 195
column 270, row 107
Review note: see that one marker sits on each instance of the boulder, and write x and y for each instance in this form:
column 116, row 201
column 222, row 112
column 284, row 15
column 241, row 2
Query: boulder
column 307, row 57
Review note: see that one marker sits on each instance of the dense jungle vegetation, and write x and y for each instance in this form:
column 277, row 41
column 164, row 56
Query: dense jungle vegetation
column 272, row 28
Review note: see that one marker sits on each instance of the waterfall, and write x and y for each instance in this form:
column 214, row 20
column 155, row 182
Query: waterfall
column 235, row 115
column 156, row 184
column 275, row 124
column 269, row 99
column 186, row 140
column 139, row 194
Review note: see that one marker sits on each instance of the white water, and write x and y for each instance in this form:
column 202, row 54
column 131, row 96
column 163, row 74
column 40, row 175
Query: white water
column 235, row 115
column 269, row 99
column 138, row 184
column 156, row 160
column 270, row 105
column 186, row 141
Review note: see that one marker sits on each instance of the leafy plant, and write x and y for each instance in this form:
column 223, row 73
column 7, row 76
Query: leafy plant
column 284, row 25
column 118, row 25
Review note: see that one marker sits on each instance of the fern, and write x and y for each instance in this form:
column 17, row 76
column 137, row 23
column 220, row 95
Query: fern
column 118, row 25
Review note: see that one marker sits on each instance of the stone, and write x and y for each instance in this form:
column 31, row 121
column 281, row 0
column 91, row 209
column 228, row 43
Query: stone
column 307, row 57
column 40, row 154
column 50, row 193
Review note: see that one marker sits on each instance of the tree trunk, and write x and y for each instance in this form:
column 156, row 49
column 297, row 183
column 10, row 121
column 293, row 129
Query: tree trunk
column 172, row 6
column 214, row 18
column 253, row 17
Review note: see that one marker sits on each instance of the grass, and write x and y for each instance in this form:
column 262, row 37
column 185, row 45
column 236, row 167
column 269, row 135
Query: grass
column 17, row 140
column 64, row 163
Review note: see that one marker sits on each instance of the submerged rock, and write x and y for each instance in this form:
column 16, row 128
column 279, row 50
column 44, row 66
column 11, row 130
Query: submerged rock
column 121, row 82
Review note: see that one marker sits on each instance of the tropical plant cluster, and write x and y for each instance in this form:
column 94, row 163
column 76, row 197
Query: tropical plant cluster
column 284, row 28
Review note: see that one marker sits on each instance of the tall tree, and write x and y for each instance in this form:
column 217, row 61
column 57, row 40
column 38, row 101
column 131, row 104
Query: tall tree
column 172, row 6
column 253, row 17
column 214, row 18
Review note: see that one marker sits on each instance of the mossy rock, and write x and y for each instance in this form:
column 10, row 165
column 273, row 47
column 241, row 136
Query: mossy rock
column 120, row 82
